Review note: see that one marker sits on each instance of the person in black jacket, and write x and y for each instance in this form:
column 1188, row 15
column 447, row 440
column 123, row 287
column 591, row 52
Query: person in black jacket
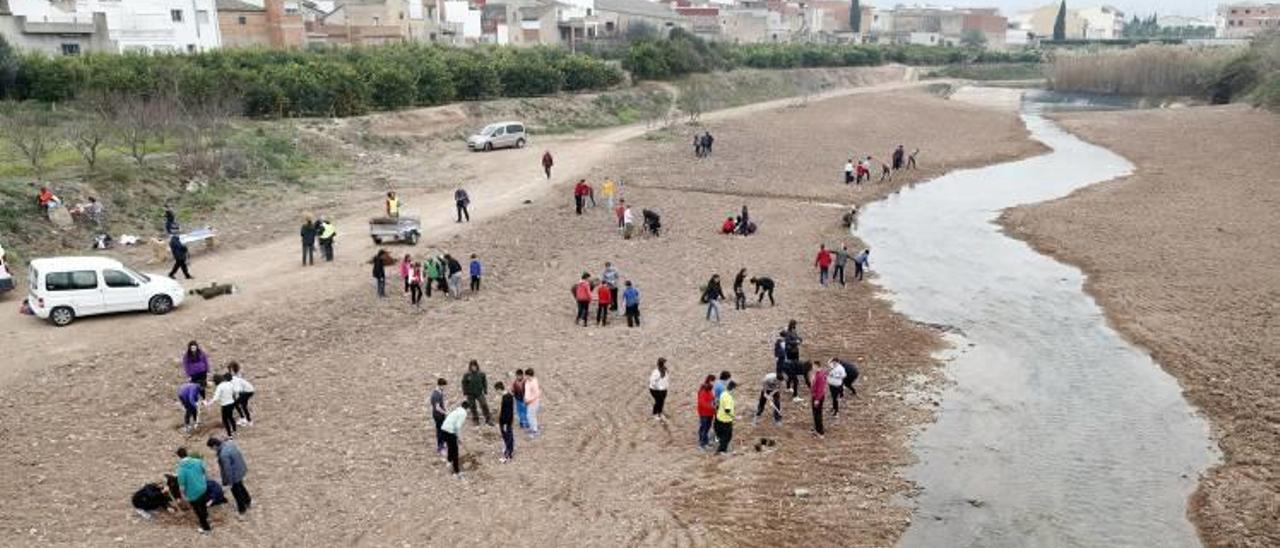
column 180, row 254
column 506, row 415
column 170, row 220
column 739, row 294
column 455, row 275
column 308, row 234
column 764, row 286
column 712, row 296
column 380, row 271
column 151, row 498
column 475, row 386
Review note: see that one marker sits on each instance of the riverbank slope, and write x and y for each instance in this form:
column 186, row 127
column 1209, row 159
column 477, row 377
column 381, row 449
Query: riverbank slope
column 1183, row 256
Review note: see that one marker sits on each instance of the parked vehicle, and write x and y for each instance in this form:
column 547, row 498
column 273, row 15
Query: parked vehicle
column 6, row 278
column 405, row 228
column 62, row 289
column 499, row 135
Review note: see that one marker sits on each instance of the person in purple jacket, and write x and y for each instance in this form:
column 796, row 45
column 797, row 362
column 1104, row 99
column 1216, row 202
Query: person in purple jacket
column 195, row 363
column 189, row 397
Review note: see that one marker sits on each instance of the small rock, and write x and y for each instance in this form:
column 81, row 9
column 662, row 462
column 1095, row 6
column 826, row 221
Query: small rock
column 800, row 493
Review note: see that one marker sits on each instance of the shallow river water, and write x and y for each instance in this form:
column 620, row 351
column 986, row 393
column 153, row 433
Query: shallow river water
column 1055, row 430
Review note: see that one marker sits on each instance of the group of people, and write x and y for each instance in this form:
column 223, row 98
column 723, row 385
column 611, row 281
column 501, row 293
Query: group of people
column 518, row 406
column 607, row 291
column 741, row 224
column 831, row 264
column 232, row 394
column 442, row 271
column 702, row 144
column 713, row 293
column 856, row 172
column 317, row 231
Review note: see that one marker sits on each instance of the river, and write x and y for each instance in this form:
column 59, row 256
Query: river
column 1053, row 430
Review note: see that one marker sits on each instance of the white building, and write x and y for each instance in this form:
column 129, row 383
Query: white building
column 1101, row 23
column 137, row 25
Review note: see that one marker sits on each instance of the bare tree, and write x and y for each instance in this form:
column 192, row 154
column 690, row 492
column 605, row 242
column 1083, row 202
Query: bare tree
column 201, row 128
column 32, row 132
column 139, row 119
column 88, row 130
column 695, row 98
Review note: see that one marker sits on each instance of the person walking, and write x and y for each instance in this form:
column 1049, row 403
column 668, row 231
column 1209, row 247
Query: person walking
column 461, row 200
column 818, row 394
column 580, row 192
column 476, row 270
column 224, row 396
column 232, row 468
column 659, row 381
column 706, row 411
column 194, row 487
column 406, row 264
column 861, row 263
column 764, row 286
column 308, row 234
column 707, row 142
column 823, row 262
column 379, row 261
column 770, row 390
column 415, row 284
column 327, row 235
column 438, row 412
column 506, row 416
column 170, row 218
column 631, row 299
column 697, row 145
column 739, row 294
column 189, row 397
column 475, row 387
column 430, row 273
column 712, row 295
column 195, row 363
column 532, row 400
column 848, row 171
column 517, row 391
column 724, row 417
column 452, row 430
column 841, row 257
column 835, row 385
column 608, row 190
column 180, row 255
column 610, row 277
column 621, row 212
column 582, row 295
column 244, row 392
column 547, row 162
column 455, row 275
column 604, row 297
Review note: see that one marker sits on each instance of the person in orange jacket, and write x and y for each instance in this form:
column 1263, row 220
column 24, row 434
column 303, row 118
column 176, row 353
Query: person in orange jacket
column 582, row 294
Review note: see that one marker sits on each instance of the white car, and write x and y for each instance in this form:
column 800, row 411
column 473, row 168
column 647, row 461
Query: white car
column 499, row 135
column 65, row 288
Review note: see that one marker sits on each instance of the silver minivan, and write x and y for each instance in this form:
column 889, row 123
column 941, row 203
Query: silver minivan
column 499, row 135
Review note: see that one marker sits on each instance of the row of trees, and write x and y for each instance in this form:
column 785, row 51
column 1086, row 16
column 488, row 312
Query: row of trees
column 320, row 82
column 1149, row 27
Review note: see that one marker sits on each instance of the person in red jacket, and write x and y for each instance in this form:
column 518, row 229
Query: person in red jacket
column 582, row 294
column 728, row 226
column 823, row 262
column 819, row 392
column 604, row 296
column 706, row 411
column 621, row 212
column 580, row 192
column 547, row 162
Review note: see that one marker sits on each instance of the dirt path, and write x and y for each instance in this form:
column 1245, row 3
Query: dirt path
column 340, row 454
column 1184, row 261
column 498, row 183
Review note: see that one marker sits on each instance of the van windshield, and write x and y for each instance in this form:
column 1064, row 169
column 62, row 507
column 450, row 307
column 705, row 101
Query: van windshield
column 488, row 130
column 137, row 275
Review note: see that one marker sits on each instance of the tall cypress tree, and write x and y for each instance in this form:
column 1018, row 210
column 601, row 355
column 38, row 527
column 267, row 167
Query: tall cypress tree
column 1060, row 24
column 855, row 16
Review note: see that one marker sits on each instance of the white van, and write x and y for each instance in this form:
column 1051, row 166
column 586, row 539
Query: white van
column 65, row 288
column 499, row 135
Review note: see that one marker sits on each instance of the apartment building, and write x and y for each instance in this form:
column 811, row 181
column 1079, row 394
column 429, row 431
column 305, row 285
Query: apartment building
column 937, row 26
column 1101, row 23
column 134, row 25
column 72, row 35
column 1244, row 20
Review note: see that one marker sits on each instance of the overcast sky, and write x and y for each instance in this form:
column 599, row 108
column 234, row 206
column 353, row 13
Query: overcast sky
column 1201, row 8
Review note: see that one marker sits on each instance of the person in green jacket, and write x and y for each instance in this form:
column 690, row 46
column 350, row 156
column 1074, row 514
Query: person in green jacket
column 194, row 487
column 475, row 386
column 430, row 273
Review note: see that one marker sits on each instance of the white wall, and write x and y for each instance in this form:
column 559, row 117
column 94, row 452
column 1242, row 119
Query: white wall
column 140, row 24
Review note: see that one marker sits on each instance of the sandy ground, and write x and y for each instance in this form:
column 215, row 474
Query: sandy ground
column 341, row 455
column 1183, row 257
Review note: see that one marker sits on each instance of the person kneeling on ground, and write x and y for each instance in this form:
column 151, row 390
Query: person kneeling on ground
column 151, row 498
column 728, row 226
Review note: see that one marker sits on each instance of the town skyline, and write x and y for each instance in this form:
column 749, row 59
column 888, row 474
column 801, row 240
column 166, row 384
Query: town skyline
column 1193, row 8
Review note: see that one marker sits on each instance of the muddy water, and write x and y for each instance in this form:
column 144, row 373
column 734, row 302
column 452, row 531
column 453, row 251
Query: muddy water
column 1055, row 431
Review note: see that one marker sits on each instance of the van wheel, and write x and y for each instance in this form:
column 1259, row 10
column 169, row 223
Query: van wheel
column 62, row 316
column 488, row 147
column 160, row 304
column 519, row 143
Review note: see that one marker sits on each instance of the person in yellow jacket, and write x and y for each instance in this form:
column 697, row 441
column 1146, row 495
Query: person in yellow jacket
column 393, row 204
column 724, row 417
column 608, row 190
column 327, row 234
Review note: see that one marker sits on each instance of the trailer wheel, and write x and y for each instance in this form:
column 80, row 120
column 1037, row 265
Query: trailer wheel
column 413, row 238
column 377, row 240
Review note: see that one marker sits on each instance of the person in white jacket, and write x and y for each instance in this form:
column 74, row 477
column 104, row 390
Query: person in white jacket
column 243, row 392
column 659, row 381
column 835, row 384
